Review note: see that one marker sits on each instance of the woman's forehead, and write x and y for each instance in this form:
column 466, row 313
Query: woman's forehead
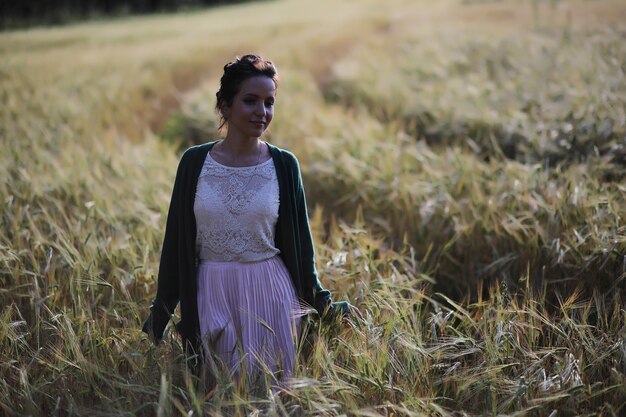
column 259, row 85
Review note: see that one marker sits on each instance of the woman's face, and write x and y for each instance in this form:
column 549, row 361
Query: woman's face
column 253, row 107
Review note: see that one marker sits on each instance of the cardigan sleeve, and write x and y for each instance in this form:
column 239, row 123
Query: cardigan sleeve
column 167, row 296
column 315, row 294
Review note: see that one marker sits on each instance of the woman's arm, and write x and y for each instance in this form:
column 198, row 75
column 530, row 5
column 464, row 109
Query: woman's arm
column 167, row 296
column 320, row 298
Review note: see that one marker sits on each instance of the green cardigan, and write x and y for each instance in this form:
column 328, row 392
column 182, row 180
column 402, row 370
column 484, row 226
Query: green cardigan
column 177, row 270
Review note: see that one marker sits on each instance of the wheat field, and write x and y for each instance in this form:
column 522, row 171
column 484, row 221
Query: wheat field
column 465, row 168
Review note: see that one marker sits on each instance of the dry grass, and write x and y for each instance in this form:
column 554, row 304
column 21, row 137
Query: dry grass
column 448, row 149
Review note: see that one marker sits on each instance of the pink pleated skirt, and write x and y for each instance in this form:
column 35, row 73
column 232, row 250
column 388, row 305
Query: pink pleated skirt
column 249, row 318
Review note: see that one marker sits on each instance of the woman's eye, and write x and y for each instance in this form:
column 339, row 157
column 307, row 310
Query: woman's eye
column 269, row 103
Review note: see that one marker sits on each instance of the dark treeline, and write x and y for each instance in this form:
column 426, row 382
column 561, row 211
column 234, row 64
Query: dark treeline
column 26, row 13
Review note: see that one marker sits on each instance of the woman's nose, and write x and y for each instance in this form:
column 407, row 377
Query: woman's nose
column 260, row 109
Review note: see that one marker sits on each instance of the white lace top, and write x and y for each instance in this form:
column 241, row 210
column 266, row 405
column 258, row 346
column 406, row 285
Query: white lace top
column 236, row 210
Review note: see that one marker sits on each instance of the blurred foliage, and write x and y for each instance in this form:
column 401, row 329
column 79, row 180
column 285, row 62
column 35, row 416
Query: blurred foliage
column 27, row 13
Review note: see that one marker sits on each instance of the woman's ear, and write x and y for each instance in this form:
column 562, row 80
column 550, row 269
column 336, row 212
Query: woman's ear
column 226, row 111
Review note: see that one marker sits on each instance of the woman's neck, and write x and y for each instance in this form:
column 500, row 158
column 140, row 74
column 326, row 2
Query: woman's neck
column 239, row 153
column 237, row 147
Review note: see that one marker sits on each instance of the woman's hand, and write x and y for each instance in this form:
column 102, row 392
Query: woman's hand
column 345, row 310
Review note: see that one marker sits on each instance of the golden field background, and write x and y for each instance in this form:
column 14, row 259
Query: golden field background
column 465, row 163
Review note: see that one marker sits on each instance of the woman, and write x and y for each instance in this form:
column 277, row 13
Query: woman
column 238, row 253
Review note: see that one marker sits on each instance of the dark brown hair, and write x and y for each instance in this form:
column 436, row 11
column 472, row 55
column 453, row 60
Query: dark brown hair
column 236, row 72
